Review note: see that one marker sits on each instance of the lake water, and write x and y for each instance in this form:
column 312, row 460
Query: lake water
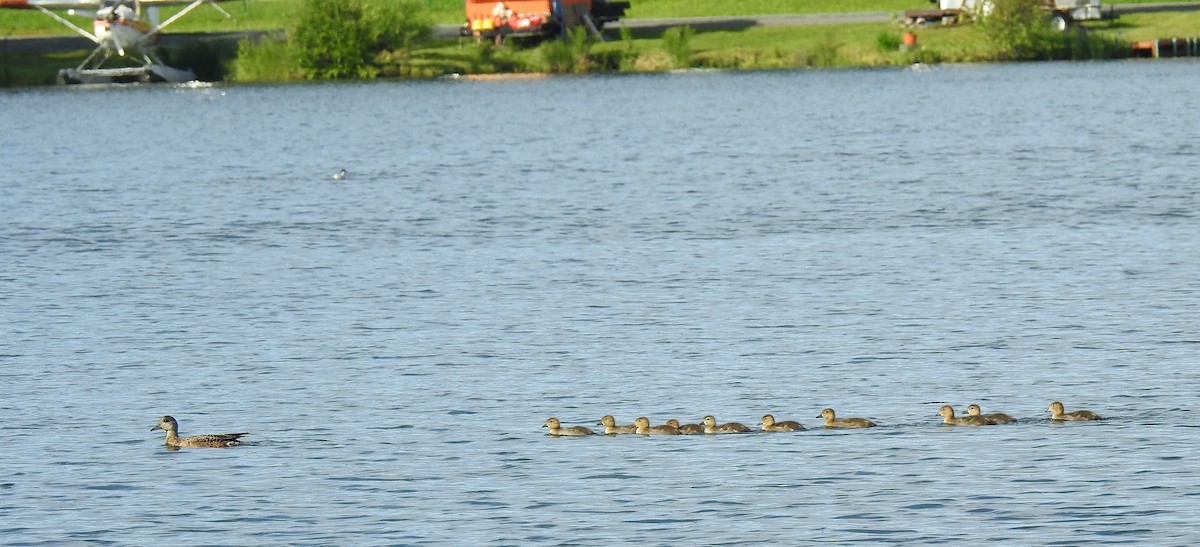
column 669, row 246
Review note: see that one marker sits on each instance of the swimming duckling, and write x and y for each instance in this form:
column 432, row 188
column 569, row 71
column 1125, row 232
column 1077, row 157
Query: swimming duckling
column 947, row 413
column 685, row 429
column 557, row 430
column 168, row 424
column 644, row 428
column 995, row 417
column 711, row 426
column 611, row 427
column 1056, row 413
column 831, row 420
column 768, row 423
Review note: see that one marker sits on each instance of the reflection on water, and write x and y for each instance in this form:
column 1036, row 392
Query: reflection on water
column 667, row 246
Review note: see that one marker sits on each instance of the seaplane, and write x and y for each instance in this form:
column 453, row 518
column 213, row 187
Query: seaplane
column 128, row 29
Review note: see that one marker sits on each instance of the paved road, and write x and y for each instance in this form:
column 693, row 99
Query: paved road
column 44, row 44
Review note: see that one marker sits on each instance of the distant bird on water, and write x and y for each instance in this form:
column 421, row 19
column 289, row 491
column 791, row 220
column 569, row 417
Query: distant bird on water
column 339, row 175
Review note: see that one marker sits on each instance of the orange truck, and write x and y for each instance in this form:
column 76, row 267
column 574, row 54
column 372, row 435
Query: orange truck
column 543, row 18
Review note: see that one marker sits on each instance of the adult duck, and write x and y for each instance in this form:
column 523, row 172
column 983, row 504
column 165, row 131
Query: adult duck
column 221, row 440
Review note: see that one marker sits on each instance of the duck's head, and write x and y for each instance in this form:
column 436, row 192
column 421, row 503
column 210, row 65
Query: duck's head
column 166, row 423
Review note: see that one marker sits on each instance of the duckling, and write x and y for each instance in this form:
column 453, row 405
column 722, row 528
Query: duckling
column 711, row 426
column 611, row 427
column 831, row 420
column 947, row 413
column 171, row 426
column 685, row 429
column 1056, row 413
column 557, row 430
column 644, row 428
column 995, row 417
column 768, row 423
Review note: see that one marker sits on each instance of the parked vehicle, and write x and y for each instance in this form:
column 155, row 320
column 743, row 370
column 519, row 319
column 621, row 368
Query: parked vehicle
column 550, row 18
column 1061, row 12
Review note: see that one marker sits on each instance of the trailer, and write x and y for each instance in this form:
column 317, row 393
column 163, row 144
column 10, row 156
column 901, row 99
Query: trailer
column 1062, row 13
column 497, row 19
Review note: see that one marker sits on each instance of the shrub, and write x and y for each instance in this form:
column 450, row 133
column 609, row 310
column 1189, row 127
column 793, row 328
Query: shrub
column 341, row 38
column 1020, row 30
column 262, row 61
column 677, row 41
column 569, row 55
column 887, row 42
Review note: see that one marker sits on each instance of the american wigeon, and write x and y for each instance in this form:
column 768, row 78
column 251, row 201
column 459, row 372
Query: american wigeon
column 171, row 426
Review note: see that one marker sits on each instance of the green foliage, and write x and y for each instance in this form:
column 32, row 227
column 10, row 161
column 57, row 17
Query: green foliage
column 1020, row 30
column 264, row 61
column 887, row 41
column 677, row 42
column 824, row 54
column 337, row 39
column 569, row 55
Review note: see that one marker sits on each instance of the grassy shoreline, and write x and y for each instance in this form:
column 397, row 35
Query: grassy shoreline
column 757, row 48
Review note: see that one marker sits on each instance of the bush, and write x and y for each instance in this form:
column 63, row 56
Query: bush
column 677, row 41
column 264, row 60
column 1020, row 30
column 887, row 42
column 569, row 55
column 341, row 38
